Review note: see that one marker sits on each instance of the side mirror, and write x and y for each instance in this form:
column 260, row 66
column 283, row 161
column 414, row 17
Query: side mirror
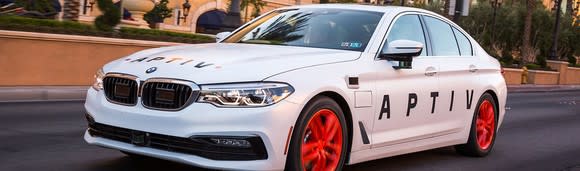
column 220, row 36
column 402, row 51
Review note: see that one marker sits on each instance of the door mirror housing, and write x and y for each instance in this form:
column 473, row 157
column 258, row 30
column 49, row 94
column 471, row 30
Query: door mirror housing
column 220, row 36
column 402, row 51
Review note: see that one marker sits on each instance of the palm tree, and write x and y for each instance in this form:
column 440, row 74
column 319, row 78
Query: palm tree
column 569, row 7
column 527, row 50
column 233, row 19
column 257, row 6
column 71, row 10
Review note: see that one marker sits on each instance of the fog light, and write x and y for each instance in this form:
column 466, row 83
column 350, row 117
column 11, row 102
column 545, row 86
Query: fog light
column 228, row 147
column 231, row 142
column 90, row 123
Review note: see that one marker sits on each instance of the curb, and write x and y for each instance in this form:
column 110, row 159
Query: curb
column 43, row 93
column 542, row 88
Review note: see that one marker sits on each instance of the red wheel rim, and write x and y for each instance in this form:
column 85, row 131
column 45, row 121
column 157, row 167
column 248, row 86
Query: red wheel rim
column 485, row 124
column 322, row 142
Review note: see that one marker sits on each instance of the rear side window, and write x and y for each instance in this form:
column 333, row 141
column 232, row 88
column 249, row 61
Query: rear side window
column 442, row 37
column 463, row 42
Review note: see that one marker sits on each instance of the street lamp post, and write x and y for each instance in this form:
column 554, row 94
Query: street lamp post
column 186, row 6
column 553, row 51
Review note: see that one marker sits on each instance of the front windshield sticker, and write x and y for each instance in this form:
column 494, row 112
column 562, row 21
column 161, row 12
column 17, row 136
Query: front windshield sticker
column 351, row 45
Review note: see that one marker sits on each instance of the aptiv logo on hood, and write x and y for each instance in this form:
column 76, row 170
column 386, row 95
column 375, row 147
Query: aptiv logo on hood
column 173, row 60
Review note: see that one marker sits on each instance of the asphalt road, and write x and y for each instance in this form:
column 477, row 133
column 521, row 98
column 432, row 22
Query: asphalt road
column 541, row 132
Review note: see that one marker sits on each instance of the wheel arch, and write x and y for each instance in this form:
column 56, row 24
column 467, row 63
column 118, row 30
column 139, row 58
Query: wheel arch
column 344, row 106
column 497, row 106
column 347, row 115
column 494, row 96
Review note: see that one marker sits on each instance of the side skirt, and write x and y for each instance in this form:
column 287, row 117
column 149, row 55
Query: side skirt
column 405, row 148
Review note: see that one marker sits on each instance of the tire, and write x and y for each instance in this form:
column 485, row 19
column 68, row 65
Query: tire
column 330, row 154
column 483, row 129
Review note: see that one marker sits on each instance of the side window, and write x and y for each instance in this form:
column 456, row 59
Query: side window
column 407, row 27
column 442, row 37
column 464, row 44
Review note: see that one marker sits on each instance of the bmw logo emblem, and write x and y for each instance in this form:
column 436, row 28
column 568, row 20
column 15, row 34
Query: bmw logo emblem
column 151, row 70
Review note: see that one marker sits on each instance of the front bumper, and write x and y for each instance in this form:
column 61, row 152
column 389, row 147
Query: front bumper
column 271, row 124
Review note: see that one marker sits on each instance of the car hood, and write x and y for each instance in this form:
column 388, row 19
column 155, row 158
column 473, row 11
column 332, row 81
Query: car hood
column 224, row 62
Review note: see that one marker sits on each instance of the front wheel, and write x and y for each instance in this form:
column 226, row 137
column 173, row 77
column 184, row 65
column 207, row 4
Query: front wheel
column 483, row 129
column 319, row 141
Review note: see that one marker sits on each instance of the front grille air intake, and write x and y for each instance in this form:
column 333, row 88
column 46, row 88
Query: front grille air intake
column 193, row 146
column 165, row 94
column 120, row 89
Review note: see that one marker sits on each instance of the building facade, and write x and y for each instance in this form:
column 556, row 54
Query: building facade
column 204, row 16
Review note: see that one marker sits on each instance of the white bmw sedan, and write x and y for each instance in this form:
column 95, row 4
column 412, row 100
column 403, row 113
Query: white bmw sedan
column 304, row 88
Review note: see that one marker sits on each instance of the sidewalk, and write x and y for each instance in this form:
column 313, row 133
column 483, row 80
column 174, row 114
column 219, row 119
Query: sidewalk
column 42, row 93
column 78, row 93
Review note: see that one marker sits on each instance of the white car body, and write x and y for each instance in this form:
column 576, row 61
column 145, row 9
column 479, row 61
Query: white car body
column 310, row 71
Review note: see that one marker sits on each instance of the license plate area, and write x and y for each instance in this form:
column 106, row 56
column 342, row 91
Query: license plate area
column 139, row 138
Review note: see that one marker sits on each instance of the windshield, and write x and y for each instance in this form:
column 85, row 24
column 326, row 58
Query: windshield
column 320, row 28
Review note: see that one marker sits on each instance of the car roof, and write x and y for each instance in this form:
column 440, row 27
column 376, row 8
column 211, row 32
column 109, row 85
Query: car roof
column 374, row 8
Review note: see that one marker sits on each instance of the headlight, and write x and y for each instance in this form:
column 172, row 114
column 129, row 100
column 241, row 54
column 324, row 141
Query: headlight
column 244, row 95
column 98, row 85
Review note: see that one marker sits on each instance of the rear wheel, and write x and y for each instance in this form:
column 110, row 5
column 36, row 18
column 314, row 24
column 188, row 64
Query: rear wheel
column 319, row 141
column 483, row 129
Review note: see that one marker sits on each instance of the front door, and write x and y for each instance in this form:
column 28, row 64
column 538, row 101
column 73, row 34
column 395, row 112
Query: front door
column 405, row 97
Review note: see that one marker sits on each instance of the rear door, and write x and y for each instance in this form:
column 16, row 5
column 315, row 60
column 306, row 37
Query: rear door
column 458, row 94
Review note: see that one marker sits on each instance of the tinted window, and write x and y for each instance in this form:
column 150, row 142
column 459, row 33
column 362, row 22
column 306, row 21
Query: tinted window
column 320, row 28
column 407, row 27
column 464, row 44
column 442, row 37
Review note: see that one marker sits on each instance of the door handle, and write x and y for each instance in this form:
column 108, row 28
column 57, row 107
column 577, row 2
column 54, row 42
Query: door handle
column 430, row 71
column 472, row 68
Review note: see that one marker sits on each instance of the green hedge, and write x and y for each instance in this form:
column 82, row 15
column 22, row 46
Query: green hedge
column 539, row 67
column 74, row 28
column 32, row 22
